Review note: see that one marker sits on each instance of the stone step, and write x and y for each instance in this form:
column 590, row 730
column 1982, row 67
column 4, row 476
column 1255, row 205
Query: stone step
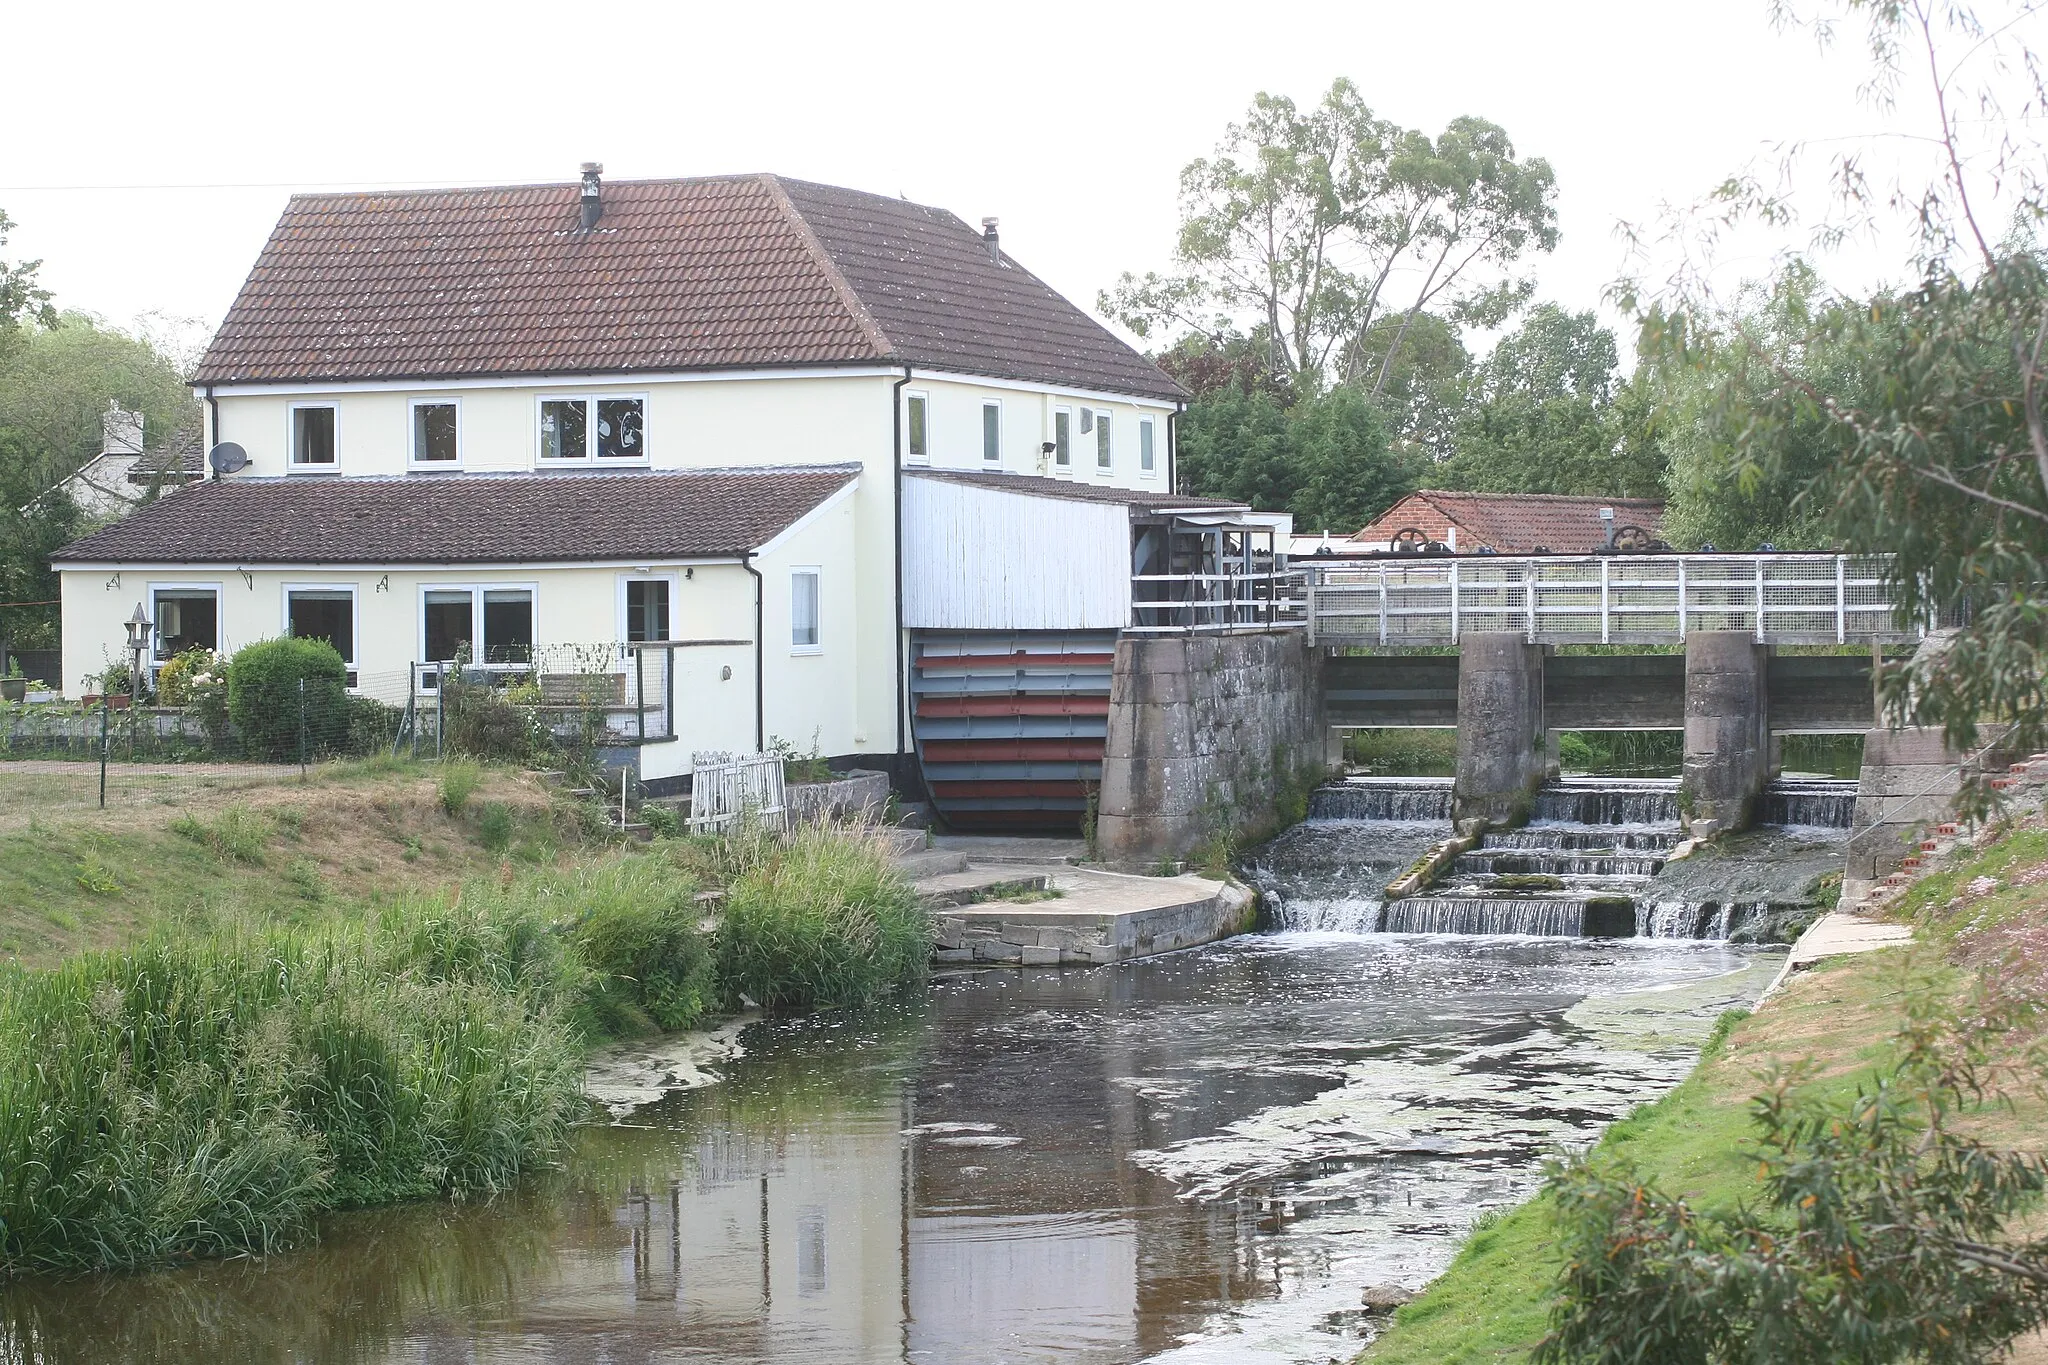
column 901, row 843
column 973, row 886
column 1038, row 850
column 934, row 862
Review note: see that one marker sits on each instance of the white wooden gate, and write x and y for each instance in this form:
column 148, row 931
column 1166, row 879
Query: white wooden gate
column 726, row 788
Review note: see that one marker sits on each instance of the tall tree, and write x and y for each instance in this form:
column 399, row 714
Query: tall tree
column 1428, row 375
column 22, row 300
column 1306, row 228
column 1542, row 416
column 1944, row 442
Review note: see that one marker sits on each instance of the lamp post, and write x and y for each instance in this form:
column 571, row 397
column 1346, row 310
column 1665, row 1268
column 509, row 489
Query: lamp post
column 139, row 627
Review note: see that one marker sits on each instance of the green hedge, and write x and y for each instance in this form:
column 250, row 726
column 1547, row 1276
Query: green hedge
column 264, row 698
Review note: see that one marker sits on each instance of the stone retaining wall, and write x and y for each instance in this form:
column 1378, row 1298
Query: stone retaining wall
column 851, row 795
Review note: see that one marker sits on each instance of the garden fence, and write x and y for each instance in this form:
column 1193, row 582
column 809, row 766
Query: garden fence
column 569, row 707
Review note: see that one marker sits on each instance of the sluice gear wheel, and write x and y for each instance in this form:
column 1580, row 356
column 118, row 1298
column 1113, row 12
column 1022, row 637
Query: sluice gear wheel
column 1632, row 540
column 1410, row 538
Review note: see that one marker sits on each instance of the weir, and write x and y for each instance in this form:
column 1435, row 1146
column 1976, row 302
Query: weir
column 1590, row 861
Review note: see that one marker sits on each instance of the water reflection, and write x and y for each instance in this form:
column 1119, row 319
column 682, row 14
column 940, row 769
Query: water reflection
column 1197, row 1158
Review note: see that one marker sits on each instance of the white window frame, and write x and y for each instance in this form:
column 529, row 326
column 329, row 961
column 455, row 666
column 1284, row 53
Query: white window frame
column 797, row 571
column 909, row 456
column 220, row 634
column 988, row 404
column 1148, row 447
column 291, row 438
column 412, row 431
column 675, row 596
column 589, row 458
column 355, row 618
column 476, row 591
column 1062, row 471
column 1105, row 442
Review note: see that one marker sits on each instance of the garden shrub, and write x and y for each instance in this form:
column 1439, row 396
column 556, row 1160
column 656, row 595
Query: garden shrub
column 174, row 681
column 487, row 725
column 264, row 695
column 823, row 921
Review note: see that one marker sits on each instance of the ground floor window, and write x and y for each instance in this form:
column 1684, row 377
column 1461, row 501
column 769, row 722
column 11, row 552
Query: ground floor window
column 186, row 618
column 478, row 625
column 646, row 609
column 803, row 611
column 324, row 613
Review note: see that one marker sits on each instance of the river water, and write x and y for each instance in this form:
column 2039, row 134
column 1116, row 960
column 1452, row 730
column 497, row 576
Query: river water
column 1197, row 1158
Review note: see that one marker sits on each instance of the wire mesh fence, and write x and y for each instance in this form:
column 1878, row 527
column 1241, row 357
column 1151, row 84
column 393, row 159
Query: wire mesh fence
column 581, row 709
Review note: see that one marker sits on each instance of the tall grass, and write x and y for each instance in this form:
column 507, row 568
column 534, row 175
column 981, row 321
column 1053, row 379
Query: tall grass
column 211, row 1094
column 822, row 921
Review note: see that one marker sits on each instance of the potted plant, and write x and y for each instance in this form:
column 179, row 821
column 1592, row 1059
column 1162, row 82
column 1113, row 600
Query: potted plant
column 116, row 687
column 14, row 687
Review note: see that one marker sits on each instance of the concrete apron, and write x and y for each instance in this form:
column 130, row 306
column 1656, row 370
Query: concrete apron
column 1099, row 917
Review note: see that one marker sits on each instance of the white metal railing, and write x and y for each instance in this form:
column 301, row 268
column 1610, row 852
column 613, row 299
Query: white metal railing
column 728, row 788
column 1603, row 599
column 1183, row 603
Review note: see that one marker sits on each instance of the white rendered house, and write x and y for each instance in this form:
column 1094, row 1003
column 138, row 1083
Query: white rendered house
column 743, row 420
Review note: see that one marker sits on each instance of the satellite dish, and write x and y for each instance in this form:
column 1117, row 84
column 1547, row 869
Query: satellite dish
column 227, row 458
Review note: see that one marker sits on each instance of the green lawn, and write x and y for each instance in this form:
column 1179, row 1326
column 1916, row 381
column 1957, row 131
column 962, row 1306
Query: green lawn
column 278, row 851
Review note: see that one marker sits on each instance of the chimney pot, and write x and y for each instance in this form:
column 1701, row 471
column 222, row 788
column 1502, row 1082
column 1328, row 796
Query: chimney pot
column 989, row 235
column 120, row 430
column 593, row 198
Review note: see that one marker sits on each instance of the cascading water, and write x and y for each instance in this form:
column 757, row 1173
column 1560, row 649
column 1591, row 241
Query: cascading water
column 1809, row 803
column 1591, row 861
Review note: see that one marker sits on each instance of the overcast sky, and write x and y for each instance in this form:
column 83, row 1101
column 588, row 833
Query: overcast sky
column 150, row 147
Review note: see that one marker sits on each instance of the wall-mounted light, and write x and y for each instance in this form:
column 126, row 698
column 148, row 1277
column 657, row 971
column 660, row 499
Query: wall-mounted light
column 689, row 571
column 725, row 674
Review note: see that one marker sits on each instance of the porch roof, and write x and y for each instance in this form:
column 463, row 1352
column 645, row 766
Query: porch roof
column 466, row 518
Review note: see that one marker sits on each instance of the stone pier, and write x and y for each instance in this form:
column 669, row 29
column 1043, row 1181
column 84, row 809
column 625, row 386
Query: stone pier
column 1503, row 753
column 1203, row 731
column 1727, row 730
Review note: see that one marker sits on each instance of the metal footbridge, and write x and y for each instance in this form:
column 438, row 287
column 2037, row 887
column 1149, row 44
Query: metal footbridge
column 1622, row 599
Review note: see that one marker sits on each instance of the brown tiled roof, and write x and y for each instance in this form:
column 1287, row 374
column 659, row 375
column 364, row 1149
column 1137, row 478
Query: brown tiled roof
column 1038, row 486
column 715, row 272
column 1514, row 523
column 466, row 518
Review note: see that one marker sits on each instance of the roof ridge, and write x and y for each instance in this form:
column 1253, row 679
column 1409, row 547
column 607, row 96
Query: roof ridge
column 1548, row 497
column 840, row 286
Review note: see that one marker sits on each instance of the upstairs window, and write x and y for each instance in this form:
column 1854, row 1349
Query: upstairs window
column 434, row 432
column 1145, row 455
column 593, row 428
column 803, row 611
column 1063, row 438
column 1103, row 455
column 312, row 436
column 992, row 433
column 917, row 436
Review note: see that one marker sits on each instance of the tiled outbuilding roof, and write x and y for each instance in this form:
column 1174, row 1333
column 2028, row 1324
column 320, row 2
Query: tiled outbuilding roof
column 1038, row 486
column 466, row 518
column 715, row 272
column 1513, row 523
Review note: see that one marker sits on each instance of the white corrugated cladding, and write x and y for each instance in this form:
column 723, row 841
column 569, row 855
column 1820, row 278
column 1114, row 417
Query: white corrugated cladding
column 989, row 559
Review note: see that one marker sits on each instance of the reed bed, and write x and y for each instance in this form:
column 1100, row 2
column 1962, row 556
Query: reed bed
column 213, row 1089
column 820, row 922
column 212, row 1094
